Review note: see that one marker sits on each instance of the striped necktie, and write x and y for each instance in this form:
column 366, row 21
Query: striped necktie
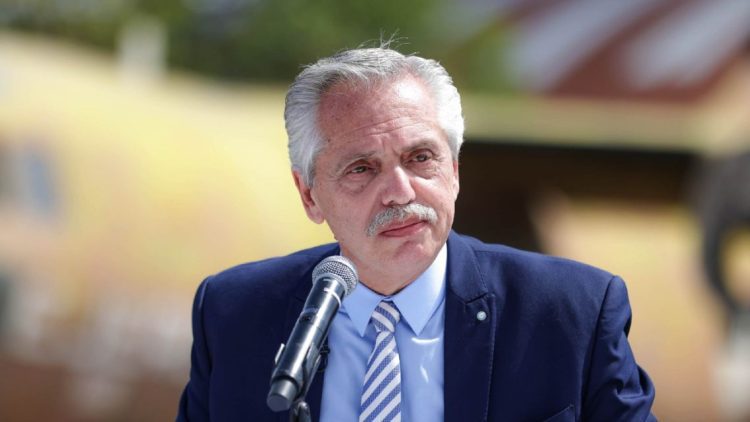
column 381, row 392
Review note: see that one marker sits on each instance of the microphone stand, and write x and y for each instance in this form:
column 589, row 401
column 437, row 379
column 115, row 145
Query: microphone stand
column 300, row 410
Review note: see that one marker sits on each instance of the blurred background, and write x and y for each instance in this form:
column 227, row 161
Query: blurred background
column 142, row 148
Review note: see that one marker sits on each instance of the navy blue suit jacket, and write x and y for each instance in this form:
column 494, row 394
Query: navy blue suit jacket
column 553, row 346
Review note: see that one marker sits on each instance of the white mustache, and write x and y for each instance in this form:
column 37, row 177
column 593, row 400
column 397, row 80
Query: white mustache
column 401, row 213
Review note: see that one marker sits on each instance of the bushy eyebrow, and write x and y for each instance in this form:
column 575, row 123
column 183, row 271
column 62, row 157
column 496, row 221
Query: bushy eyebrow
column 423, row 144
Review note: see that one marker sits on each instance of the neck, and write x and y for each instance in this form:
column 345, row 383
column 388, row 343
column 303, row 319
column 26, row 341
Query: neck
column 388, row 280
column 387, row 284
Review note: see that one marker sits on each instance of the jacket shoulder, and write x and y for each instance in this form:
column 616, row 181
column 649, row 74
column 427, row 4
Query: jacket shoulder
column 534, row 269
column 266, row 281
column 269, row 269
column 537, row 284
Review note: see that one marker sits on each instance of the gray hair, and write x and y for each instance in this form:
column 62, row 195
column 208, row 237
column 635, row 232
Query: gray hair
column 363, row 66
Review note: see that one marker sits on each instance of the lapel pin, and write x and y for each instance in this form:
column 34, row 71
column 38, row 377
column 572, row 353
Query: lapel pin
column 481, row 315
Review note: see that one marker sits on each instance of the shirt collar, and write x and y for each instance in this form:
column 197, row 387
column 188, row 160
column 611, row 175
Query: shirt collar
column 416, row 302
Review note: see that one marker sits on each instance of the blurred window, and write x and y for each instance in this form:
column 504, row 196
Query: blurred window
column 37, row 181
column 5, row 173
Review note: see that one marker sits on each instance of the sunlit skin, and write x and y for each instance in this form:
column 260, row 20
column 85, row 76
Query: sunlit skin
column 383, row 147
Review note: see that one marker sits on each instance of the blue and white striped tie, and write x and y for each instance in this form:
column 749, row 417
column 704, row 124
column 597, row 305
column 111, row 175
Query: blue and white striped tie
column 381, row 392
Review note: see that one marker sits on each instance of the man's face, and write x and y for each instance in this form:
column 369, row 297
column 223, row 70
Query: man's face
column 383, row 149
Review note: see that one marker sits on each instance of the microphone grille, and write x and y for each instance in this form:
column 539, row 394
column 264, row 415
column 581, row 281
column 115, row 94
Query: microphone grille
column 339, row 266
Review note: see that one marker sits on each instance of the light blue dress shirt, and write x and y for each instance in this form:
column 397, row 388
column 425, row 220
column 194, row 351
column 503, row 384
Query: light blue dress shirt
column 419, row 338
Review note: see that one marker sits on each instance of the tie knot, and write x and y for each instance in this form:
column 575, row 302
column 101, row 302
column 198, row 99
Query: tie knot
column 385, row 317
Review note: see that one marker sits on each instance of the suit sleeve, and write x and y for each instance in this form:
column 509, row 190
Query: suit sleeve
column 617, row 388
column 194, row 400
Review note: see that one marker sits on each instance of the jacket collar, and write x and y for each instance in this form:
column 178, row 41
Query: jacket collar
column 464, row 277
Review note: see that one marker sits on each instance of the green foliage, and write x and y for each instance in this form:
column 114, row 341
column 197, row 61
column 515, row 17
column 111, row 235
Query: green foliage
column 236, row 39
column 480, row 64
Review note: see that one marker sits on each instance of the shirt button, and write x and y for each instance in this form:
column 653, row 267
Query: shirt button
column 481, row 315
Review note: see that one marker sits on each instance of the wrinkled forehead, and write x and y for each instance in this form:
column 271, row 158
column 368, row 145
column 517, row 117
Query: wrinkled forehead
column 347, row 105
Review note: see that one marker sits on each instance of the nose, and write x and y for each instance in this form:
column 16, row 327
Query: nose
column 397, row 187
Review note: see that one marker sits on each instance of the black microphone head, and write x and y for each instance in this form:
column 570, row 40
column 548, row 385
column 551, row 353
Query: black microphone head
column 339, row 267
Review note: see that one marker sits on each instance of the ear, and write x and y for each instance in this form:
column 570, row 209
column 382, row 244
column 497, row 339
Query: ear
column 455, row 180
column 314, row 212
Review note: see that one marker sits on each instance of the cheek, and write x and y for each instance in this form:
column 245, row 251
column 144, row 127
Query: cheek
column 449, row 186
column 346, row 214
column 438, row 195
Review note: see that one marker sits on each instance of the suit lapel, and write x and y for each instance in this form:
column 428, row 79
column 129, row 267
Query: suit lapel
column 470, row 319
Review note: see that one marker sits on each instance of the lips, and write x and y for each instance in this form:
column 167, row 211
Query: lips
column 403, row 228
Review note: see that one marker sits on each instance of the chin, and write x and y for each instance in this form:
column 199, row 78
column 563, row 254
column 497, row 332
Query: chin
column 417, row 251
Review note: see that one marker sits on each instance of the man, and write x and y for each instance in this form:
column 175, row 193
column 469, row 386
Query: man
column 441, row 326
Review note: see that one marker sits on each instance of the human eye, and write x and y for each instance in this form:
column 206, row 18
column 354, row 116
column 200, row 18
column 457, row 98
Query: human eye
column 358, row 169
column 421, row 156
column 356, row 176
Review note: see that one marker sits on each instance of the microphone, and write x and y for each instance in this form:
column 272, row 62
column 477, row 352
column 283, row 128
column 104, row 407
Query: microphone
column 296, row 362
